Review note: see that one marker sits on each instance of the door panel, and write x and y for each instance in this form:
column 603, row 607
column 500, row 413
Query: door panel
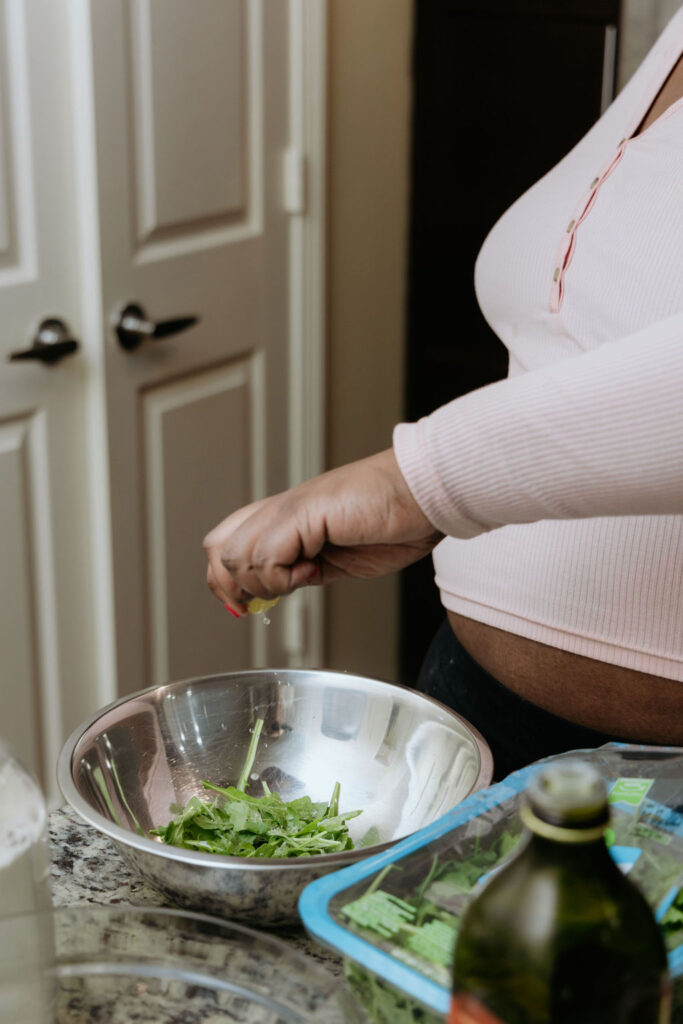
column 191, row 125
column 17, row 239
column 189, row 166
column 181, row 420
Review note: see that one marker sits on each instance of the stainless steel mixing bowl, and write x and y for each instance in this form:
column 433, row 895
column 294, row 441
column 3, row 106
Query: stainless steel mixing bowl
column 400, row 757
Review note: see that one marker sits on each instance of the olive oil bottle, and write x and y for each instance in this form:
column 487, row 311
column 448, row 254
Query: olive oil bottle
column 559, row 935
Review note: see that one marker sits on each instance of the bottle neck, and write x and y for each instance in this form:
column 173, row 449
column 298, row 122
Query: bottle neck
column 574, row 854
column 562, row 842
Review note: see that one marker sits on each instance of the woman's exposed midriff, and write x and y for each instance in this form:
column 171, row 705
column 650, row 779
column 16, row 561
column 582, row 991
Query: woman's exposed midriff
column 619, row 701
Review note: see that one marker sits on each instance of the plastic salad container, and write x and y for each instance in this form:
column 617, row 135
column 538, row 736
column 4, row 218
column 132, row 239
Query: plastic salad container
column 394, row 917
column 117, row 964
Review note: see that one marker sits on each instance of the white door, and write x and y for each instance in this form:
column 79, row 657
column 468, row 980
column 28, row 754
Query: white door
column 142, row 145
column 191, row 113
column 46, row 651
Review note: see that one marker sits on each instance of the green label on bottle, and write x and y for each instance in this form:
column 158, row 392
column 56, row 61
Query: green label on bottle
column 629, row 791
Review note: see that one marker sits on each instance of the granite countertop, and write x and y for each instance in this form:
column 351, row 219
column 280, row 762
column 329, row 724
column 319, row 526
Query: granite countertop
column 86, row 869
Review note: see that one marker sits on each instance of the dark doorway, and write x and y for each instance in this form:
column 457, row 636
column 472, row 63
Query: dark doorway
column 502, row 90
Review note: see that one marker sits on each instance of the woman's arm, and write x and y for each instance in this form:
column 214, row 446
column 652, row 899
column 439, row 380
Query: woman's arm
column 600, row 434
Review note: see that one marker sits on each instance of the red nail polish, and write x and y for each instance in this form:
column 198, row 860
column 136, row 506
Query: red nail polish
column 232, row 611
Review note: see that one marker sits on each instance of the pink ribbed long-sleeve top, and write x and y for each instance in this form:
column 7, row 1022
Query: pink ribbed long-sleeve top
column 561, row 487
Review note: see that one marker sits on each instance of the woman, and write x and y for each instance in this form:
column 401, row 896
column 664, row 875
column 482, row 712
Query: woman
column 559, row 491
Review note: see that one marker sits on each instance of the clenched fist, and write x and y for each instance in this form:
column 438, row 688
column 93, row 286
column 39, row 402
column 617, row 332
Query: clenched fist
column 357, row 521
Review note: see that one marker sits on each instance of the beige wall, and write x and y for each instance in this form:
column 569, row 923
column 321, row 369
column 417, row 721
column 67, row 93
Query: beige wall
column 368, row 131
column 641, row 24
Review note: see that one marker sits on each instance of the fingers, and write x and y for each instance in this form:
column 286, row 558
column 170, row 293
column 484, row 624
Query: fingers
column 304, row 574
column 218, row 536
column 273, row 552
column 351, row 521
column 235, row 599
column 222, row 585
column 214, row 586
column 266, row 579
column 241, row 565
column 235, row 609
column 219, row 580
column 253, row 557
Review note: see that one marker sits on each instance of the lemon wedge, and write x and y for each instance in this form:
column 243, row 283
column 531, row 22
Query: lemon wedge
column 259, row 604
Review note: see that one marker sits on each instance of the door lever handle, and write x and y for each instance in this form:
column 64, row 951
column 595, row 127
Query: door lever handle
column 132, row 327
column 51, row 343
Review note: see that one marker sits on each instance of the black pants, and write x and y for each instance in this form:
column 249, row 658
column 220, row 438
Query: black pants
column 517, row 731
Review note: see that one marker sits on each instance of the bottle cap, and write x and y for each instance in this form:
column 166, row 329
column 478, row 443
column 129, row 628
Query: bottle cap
column 570, row 794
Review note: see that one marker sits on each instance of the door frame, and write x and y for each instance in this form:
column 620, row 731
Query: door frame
column 304, row 611
column 303, row 620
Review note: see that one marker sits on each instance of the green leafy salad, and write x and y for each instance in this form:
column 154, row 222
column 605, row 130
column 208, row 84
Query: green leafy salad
column 238, row 825
column 672, row 923
column 420, row 929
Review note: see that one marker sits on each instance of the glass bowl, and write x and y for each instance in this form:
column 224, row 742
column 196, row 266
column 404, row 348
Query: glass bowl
column 118, row 964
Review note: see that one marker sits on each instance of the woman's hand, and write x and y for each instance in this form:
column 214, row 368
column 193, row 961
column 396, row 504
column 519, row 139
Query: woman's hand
column 357, row 521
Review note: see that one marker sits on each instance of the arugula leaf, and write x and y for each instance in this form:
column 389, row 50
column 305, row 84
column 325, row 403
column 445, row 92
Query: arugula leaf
column 672, row 922
column 420, row 928
column 383, row 1004
column 251, row 756
column 238, row 825
column 435, row 941
column 382, row 911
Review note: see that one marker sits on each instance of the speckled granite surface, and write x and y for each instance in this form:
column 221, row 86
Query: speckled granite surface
column 87, row 869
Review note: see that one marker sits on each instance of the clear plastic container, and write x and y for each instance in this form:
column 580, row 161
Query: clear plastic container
column 115, row 964
column 394, row 917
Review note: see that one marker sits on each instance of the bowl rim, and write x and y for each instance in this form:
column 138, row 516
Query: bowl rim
column 326, row 984
column 104, row 910
column 195, row 858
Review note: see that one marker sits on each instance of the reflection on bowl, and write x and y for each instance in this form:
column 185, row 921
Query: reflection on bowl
column 402, row 758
